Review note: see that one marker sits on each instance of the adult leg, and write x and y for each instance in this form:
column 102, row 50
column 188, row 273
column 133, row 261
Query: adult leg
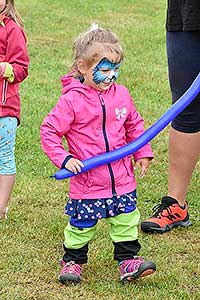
column 183, row 49
column 184, row 151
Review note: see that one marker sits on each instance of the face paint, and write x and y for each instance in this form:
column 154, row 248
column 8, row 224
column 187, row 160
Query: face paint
column 106, row 71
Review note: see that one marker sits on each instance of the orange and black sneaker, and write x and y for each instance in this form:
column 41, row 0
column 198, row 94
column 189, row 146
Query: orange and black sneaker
column 167, row 215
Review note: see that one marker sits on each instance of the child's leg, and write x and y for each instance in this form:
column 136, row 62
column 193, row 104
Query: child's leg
column 76, row 249
column 76, row 242
column 124, row 234
column 8, row 127
column 6, row 186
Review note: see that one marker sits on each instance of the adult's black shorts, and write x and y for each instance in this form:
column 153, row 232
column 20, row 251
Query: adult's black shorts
column 183, row 51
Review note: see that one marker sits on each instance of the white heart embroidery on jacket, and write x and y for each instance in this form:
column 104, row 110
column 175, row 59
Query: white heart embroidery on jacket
column 120, row 113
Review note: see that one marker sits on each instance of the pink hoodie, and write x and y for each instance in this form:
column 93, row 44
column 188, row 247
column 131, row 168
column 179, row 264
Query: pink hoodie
column 93, row 123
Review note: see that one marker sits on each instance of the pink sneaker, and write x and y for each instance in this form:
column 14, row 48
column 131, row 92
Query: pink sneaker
column 71, row 272
column 135, row 267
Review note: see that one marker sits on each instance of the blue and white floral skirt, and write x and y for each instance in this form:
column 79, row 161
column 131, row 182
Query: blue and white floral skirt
column 91, row 209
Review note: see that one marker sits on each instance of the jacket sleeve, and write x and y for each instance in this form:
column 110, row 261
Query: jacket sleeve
column 17, row 53
column 54, row 127
column 134, row 126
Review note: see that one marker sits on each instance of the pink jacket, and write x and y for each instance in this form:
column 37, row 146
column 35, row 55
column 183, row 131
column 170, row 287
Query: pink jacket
column 94, row 122
column 12, row 50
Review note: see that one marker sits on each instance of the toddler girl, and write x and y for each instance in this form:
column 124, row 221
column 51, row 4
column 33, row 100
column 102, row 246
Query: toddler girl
column 96, row 115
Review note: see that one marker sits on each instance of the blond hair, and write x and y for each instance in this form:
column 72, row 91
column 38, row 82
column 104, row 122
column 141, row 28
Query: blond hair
column 90, row 45
column 11, row 11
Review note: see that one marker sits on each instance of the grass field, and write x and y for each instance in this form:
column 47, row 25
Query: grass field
column 31, row 239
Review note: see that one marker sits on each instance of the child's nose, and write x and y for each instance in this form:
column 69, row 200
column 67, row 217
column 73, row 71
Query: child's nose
column 112, row 74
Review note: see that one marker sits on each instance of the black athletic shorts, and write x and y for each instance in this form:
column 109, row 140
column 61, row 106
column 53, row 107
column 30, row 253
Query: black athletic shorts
column 183, row 51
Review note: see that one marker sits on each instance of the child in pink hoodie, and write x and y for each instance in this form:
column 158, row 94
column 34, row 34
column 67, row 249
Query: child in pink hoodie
column 96, row 115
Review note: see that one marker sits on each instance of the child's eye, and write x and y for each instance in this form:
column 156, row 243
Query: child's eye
column 116, row 69
column 104, row 70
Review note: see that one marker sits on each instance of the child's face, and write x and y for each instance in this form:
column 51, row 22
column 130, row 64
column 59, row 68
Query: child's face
column 102, row 74
column 2, row 5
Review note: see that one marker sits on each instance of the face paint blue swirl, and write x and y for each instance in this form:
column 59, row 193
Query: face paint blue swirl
column 106, row 71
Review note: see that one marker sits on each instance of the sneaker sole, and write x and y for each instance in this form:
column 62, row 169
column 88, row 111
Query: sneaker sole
column 146, row 269
column 69, row 278
column 151, row 229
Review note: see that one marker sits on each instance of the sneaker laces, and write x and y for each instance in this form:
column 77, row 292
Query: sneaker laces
column 137, row 261
column 72, row 267
column 159, row 208
column 132, row 264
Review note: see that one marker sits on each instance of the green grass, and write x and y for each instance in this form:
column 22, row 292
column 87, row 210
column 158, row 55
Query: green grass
column 31, row 239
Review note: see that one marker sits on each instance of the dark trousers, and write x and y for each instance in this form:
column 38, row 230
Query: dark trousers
column 183, row 52
column 122, row 251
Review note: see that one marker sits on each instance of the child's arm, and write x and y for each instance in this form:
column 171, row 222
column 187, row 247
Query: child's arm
column 16, row 60
column 134, row 126
column 54, row 127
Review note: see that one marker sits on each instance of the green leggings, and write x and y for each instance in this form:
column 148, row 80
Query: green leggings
column 123, row 227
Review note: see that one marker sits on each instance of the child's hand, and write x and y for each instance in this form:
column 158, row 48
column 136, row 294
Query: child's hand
column 74, row 165
column 142, row 163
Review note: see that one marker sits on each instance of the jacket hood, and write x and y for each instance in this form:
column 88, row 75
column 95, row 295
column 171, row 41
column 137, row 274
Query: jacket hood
column 69, row 83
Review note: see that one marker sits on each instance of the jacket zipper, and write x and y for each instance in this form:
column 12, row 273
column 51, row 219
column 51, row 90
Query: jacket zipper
column 4, row 91
column 107, row 144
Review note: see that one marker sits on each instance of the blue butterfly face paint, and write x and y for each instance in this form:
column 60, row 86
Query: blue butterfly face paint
column 106, row 71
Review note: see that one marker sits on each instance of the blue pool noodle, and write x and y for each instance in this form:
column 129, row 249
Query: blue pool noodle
column 142, row 140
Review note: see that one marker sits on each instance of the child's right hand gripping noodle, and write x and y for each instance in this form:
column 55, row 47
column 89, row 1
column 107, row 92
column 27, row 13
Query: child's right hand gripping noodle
column 74, row 165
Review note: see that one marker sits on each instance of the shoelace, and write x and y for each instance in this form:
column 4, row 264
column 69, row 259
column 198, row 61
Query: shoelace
column 72, row 267
column 132, row 264
column 159, row 208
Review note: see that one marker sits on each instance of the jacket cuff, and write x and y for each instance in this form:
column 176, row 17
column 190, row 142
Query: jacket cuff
column 145, row 154
column 66, row 160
